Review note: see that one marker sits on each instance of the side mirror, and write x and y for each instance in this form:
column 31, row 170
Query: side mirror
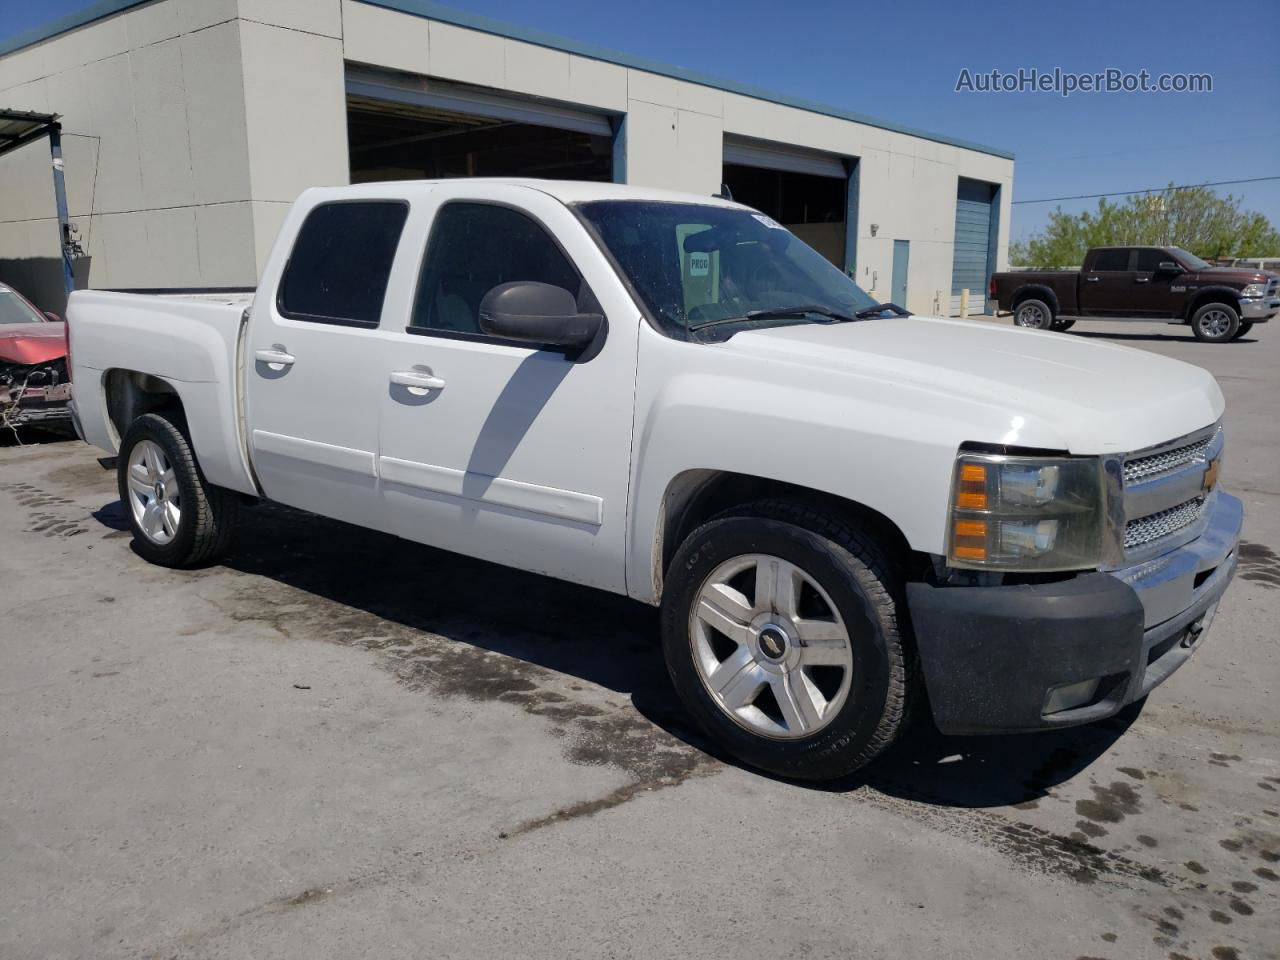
column 538, row 313
column 1168, row 266
column 52, row 316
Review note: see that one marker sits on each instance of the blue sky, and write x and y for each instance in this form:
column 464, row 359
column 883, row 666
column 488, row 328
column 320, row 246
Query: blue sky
column 900, row 61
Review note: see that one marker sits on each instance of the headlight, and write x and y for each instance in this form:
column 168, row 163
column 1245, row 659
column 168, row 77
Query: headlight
column 1254, row 290
column 1026, row 513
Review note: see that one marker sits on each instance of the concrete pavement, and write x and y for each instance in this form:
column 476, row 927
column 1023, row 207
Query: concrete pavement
column 338, row 744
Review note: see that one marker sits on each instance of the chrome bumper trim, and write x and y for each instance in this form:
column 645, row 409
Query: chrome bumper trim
column 1258, row 308
column 1166, row 584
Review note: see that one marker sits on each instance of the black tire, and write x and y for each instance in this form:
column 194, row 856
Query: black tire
column 1243, row 329
column 208, row 513
column 857, row 576
column 1033, row 314
column 1215, row 323
column 1064, row 323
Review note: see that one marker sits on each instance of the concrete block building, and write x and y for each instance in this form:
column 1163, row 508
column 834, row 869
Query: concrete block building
column 188, row 126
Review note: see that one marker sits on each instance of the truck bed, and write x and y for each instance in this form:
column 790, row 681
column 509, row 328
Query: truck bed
column 1063, row 283
column 190, row 340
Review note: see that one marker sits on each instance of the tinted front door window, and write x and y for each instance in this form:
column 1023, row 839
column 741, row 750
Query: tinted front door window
column 1149, row 260
column 473, row 248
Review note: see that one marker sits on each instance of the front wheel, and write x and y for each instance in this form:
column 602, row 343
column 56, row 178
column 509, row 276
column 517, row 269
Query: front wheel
column 1034, row 315
column 782, row 637
column 178, row 518
column 1215, row 323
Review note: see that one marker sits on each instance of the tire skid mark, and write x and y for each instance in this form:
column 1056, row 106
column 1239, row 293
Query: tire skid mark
column 47, row 514
column 595, row 733
column 1033, row 848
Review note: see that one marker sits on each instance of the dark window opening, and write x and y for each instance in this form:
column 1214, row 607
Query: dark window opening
column 389, row 141
column 1149, row 260
column 473, row 248
column 340, row 262
column 1111, row 261
column 810, row 206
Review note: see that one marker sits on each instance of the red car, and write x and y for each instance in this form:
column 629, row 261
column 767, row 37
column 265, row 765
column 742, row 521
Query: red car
column 34, row 386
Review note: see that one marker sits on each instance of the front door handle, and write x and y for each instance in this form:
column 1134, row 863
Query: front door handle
column 418, row 381
column 1092, row 279
column 1142, row 280
column 275, row 356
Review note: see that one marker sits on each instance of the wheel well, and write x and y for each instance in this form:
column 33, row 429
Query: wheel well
column 1035, row 293
column 1221, row 295
column 131, row 394
column 696, row 496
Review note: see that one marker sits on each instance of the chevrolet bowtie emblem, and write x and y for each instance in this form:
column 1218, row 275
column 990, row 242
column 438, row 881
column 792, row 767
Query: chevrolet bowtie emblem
column 1210, row 479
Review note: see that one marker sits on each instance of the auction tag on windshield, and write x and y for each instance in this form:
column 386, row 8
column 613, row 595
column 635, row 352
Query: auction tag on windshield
column 699, row 264
column 769, row 222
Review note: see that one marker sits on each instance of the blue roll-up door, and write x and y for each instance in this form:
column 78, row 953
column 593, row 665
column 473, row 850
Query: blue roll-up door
column 972, row 266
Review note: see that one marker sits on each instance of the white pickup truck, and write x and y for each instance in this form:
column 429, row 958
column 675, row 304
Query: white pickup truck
column 842, row 510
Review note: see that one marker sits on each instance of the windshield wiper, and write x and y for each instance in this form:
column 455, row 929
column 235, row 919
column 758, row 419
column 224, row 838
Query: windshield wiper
column 779, row 313
column 875, row 311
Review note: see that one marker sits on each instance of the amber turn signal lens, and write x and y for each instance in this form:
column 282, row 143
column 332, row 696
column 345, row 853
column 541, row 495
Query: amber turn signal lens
column 969, row 539
column 972, row 494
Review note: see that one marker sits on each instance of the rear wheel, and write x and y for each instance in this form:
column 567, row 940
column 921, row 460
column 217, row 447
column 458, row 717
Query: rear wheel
column 1033, row 314
column 781, row 634
column 178, row 518
column 1245, row 327
column 1215, row 323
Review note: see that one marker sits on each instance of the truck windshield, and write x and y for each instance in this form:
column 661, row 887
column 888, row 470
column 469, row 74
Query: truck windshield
column 1189, row 259
column 703, row 267
column 13, row 309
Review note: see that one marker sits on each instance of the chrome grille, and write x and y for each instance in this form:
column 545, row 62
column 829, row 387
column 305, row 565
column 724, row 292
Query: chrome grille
column 1143, row 467
column 1154, row 526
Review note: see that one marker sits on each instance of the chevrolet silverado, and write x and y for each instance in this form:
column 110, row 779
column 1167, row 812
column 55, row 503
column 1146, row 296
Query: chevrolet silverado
column 841, row 510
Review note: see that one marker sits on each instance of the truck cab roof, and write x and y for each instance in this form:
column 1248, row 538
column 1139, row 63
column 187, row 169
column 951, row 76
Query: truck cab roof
column 566, row 191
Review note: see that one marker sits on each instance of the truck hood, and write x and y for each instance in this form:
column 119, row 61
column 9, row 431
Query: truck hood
column 1002, row 384
column 32, row 343
column 1240, row 275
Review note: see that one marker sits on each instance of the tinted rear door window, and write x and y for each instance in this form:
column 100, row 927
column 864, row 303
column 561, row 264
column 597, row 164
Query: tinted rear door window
column 1111, row 261
column 338, row 270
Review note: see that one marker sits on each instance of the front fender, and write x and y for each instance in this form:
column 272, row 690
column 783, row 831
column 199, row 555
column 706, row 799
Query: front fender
column 1211, row 294
column 889, row 446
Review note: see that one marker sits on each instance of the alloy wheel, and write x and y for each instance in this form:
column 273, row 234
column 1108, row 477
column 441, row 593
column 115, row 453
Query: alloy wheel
column 154, row 496
column 1030, row 316
column 770, row 647
column 1215, row 323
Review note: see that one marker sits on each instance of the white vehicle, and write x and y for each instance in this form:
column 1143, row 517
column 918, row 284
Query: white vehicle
column 842, row 510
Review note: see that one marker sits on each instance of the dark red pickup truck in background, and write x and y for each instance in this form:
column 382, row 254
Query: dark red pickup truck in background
column 1142, row 283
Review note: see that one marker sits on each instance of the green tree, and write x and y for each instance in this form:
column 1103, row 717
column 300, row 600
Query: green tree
column 1196, row 219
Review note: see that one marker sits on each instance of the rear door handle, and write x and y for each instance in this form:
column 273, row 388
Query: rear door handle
column 1092, row 279
column 275, row 356
column 1142, row 280
column 417, row 380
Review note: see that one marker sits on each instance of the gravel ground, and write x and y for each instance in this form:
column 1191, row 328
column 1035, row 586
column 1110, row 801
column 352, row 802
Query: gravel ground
column 338, row 744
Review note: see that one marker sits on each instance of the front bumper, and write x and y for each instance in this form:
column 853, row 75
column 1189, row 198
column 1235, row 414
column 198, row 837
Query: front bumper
column 993, row 657
column 37, row 407
column 1259, row 309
